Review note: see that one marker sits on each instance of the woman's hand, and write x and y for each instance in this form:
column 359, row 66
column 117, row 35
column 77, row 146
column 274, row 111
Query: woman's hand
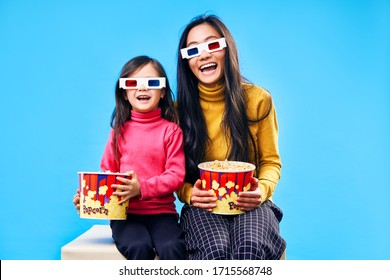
column 130, row 187
column 76, row 199
column 202, row 198
column 250, row 199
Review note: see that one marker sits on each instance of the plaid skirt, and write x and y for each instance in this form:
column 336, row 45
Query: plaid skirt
column 253, row 235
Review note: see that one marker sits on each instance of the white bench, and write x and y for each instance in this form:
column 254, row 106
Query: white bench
column 96, row 244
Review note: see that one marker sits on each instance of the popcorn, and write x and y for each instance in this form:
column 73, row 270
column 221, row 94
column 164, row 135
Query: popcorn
column 227, row 165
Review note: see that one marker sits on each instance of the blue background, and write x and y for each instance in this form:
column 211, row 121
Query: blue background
column 326, row 63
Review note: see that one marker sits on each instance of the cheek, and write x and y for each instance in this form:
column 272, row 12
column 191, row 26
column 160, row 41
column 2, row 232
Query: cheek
column 128, row 94
column 221, row 58
column 192, row 64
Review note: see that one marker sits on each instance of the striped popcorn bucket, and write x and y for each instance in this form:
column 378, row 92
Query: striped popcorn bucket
column 96, row 198
column 226, row 182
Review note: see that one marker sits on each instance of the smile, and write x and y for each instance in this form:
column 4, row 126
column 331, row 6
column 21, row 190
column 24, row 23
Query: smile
column 143, row 97
column 208, row 67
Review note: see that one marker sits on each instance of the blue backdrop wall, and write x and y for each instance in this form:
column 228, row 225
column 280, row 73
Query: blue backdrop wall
column 326, row 63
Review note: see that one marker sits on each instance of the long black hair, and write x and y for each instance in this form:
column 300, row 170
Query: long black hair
column 235, row 122
column 122, row 110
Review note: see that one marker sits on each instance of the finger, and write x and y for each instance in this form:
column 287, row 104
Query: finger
column 123, row 180
column 121, row 194
column 199, row 199
column 248, row 202
column 249, row 195
column 119, row 187
column 245, row 201
column 76, row 201
column 254, row 183
column 245, row 206
column 198, row 184
column 208, row 194
column 199, row 192
column 125, row 198
column 121, row 201
column 205, row 206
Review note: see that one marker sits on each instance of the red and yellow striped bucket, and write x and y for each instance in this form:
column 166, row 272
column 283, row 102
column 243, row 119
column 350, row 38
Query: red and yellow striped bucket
column 96, row 198
column 226, row 179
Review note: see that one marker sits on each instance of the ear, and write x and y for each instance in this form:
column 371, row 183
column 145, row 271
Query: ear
column 162, row 93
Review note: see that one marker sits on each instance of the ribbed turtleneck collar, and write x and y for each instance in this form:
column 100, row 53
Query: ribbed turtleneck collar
column 146, row 117
column 215, row 93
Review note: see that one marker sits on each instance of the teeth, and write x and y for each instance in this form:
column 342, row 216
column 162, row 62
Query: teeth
column 207, row 65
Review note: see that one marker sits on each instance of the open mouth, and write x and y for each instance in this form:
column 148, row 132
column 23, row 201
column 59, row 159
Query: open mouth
column 143, row 98
column 208, row 67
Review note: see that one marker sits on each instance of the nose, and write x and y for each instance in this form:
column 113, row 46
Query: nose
column 204, row 54
column 142, row 87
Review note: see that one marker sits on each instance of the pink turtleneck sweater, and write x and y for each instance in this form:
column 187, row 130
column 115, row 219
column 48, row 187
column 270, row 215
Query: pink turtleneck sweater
column 153, row 148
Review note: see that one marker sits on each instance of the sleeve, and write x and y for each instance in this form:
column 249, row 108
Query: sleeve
column 270, row 163
column 184, row 193
column 173, row 176
column 108, row 162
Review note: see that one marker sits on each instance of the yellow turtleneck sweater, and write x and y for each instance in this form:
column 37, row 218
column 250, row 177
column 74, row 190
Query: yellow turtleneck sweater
column 265, row 133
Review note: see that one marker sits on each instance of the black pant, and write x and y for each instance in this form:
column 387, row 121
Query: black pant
column 141, row 237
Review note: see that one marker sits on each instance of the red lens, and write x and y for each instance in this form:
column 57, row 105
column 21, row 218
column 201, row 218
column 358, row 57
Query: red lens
column 214, row 46
column 131, row 83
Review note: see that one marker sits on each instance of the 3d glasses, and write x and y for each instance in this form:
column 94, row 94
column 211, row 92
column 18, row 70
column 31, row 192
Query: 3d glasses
column 135, row 83
column 196, row 50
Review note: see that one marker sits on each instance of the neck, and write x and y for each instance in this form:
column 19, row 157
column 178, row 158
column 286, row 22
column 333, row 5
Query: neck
column 211, row 93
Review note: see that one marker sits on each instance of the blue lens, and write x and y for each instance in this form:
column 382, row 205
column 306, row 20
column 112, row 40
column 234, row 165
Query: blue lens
column 192, row 51
column 153, row 83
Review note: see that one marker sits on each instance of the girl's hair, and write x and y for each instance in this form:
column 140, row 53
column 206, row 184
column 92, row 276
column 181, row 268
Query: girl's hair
column 122, row 110
column 235, row 122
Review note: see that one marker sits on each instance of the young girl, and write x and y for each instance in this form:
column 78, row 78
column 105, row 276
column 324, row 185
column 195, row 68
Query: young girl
column 224, row 117
column 146, row 143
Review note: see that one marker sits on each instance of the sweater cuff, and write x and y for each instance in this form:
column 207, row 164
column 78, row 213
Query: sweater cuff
column 184, row 193
column 266, row 190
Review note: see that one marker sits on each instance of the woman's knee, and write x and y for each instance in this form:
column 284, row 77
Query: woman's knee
column 216, row 251
column 249, row 249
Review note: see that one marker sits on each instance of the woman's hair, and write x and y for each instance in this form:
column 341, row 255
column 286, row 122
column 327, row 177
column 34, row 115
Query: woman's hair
column 122, row 110
column 235, row 122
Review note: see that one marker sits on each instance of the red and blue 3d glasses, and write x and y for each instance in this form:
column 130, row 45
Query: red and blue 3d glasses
column 135, row 83
column 212, row 46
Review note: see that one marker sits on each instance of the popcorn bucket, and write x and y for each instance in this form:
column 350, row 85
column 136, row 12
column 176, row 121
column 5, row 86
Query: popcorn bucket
column 96, row 198
column 226, row 179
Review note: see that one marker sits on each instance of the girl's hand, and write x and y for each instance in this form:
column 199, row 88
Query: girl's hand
column 202, row 198
column 76, row 199
column 250, row 199
column 130, row 187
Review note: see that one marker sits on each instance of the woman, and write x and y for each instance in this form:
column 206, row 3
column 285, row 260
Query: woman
column 225, row 117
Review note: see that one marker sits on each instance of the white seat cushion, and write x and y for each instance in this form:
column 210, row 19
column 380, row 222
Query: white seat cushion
column 94, row 244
